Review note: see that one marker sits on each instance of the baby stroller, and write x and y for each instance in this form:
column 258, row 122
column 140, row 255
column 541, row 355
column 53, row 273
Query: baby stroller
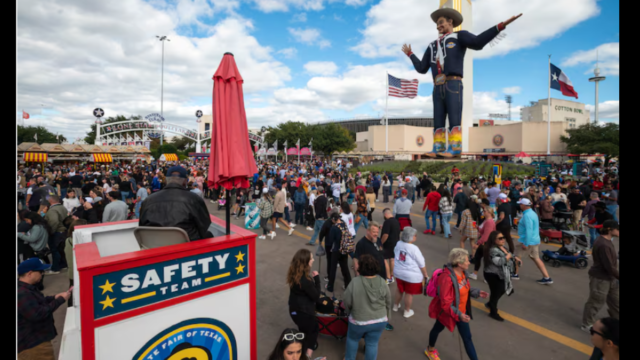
column 573, row 252
column 562, row 216
column 332, row 317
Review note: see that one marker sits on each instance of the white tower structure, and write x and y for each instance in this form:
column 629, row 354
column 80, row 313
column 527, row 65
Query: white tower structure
column 464, row 7
column 597, row 78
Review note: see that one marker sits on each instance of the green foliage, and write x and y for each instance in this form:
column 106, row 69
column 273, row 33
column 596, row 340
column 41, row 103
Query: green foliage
column 91, row 135
column 26, row 133
column 594, row 139
column 166, row 148
column 327, row 138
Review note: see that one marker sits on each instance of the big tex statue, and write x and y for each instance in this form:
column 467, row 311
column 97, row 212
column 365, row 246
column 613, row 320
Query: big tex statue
column 445, row 57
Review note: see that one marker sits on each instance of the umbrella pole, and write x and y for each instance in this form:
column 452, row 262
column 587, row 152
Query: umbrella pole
column 228, row 209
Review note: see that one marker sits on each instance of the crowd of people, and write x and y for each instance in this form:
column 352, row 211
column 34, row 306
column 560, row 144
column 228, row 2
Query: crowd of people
column 333, row 202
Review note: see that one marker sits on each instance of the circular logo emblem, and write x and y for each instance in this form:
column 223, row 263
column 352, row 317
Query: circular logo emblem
column 498, row 140
column 195, row 339
column 199, row 113
column 420, row 140
column 98, row 112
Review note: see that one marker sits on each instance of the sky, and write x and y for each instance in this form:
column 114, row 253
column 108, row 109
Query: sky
column 301, row 60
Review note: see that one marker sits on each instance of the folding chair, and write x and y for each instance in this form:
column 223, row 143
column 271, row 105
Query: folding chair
column 150, row 237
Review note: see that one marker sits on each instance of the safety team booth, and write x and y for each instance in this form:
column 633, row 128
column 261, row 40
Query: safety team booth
column 137, row 298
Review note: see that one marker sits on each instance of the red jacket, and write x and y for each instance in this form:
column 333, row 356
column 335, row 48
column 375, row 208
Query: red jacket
column 444, row 307
column 433, row 198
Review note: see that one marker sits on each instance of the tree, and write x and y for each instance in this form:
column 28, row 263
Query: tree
column 91, row 135
column 326, row 138
column 180, row 142
column 594, row 139
column 166, row 148
column 26, row 134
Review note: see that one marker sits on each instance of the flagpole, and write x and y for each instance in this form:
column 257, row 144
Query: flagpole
column 386, row 119
column 549, row 112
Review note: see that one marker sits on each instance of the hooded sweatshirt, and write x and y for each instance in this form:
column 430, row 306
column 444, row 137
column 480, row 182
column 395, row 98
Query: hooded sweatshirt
column 368, row 299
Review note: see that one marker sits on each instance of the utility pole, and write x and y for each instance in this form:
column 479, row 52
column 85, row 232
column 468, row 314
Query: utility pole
column 162, row 39
column 597, row 80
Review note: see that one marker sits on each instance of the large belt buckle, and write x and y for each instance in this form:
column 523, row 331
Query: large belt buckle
column 441, row 79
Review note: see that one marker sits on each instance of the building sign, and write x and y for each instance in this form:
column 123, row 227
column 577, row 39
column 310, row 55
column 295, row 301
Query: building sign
column 143, row 125
column 420, row 140
column 154, row 117
column 254, row 137
column 194, row 339
column 498, row 140
column 500, row 150
column 566, row 108
column 124, row 290
column 485, row 123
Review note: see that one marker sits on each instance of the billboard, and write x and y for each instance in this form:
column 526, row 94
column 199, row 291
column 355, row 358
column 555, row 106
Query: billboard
column 485, row 123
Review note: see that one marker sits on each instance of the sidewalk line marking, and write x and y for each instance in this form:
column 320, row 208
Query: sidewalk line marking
column 576, row 345
column 138, row 297
column 217, row 277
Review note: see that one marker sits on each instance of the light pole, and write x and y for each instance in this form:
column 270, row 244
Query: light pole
column 509, row 100
column 597, row 80
column 162, row 39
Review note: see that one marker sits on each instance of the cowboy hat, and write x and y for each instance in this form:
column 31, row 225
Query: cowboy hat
column 447, row 12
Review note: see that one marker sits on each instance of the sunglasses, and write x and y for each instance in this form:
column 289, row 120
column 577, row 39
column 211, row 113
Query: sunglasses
column 291, row 336
column 595, row 332
column 500, row 238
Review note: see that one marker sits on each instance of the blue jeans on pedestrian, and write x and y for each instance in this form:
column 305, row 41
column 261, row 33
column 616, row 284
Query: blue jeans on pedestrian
column 287, row 217
column 125, row 195
column 63, row 193
column 316, row 230
column 459, row 213
column 137, row 209
column 299, row 209
column 465, row 334
column 611, row 209
column 445, row 224
column 371, row 334
column 433, row 215
column 593, row 234
column 336, row 200
column 363, row 220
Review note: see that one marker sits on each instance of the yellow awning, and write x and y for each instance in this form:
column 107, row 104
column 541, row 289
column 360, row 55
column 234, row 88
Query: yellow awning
column 101, row 158
column 169, row 157
column 35, row 157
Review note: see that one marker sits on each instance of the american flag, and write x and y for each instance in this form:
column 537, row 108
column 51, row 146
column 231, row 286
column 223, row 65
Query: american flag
column 402, row 87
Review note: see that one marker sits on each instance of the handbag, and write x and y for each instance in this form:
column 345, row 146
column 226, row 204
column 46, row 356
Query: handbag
column 357, row 219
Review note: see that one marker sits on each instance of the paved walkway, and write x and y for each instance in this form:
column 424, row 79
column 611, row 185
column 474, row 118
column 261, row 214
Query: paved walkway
column 542, row 322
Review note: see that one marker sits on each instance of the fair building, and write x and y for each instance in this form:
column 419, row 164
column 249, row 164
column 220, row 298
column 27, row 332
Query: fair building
column 571, row 112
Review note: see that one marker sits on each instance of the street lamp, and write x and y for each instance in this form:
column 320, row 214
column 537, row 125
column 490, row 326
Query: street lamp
column 162, row 39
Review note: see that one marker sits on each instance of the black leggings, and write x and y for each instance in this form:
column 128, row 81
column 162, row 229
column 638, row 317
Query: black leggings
column 496, row 288
column 477, row 259
column 70, row 301
column 369, row 214
column 343, row 259
column 307, row 324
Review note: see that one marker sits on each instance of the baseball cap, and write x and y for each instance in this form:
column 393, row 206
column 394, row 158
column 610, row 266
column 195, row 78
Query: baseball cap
column 524, row 201
column 610, row 224
column 265, row 190
column 404, row 192
column 320, row 189
column 502, row 196
column 33, row 264
column 89, row 200
column 182, row 172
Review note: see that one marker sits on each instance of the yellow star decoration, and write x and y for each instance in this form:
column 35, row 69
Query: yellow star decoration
column 240, row 256
column 240, row 269
column 107, row 287
column 108, row 302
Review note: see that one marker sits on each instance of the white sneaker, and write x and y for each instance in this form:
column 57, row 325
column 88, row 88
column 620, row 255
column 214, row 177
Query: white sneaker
column 290, row 231
column 51, row 272
column 585, row 328
column 273, row 234
column 473, row 276
column 396, row 307
column 408, row 314
column 277, row 226
column 262, row 237
column 292, row 225
column 310, row 229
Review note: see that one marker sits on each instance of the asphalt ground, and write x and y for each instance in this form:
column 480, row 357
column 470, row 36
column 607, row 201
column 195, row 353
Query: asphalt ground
column 541, row 321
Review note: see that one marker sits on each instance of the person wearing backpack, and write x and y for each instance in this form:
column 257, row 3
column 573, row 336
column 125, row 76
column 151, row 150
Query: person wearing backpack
column 299, row 202
column 375, row 184
column 340, row 243
column 451, row 305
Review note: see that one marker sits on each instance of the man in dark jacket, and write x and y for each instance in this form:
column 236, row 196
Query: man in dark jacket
column 176, row 206
column 320, row 208
column 332, row 246
column 36, row 328
column 460, row 199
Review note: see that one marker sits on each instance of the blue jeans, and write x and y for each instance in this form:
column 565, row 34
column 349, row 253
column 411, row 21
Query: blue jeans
column 316, row 230
column 371, row 334
column 433, row 215
column 287, row 217
column 299, row 209
column 465, row 334
column 63, row 192
column 459, row 213
column 125, row 195
column 593, row 234
column 137, row 209
column 445, row 224
column 611, row 209
column 447, row 100
column 336, row 200
column 363, row 220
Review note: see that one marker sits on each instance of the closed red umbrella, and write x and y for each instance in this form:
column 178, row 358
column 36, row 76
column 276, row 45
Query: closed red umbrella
column 522, row 154
column 231, row 160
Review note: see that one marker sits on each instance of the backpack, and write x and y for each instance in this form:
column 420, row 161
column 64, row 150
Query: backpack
column 347, row 245
column 432, row 287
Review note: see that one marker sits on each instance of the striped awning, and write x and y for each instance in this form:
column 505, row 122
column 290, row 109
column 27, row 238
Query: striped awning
column 101, row 158
column 35, row 157
column 168, row 157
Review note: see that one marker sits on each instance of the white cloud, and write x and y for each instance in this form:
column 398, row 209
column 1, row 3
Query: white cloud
column 301, row 17
column 606, row 110
column 288, row 53
column 337, row 17
column 511, row 90
column 608, row 59
column 309, row 36
column 115, row 62
column 391, row 23
column 356, row 2
column 284, row 5
column 321, row 68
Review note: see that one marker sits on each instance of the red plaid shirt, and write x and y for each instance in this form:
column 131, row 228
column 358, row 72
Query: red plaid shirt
column 35, row 316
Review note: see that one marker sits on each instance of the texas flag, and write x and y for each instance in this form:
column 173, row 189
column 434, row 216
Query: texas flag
column 560, row 81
